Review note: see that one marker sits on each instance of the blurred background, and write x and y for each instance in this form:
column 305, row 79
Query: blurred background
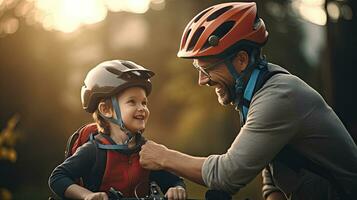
column 48, row 46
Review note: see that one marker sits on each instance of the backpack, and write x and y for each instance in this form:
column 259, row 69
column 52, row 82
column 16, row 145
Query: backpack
column 79, row 137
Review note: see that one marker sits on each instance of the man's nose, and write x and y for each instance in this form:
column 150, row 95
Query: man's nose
column 203, row 79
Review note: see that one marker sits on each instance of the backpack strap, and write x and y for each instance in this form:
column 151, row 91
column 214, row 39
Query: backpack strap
column 259, row 76
column 108, row 145
column 104, row 141
column 248, row 92
column 98, row 169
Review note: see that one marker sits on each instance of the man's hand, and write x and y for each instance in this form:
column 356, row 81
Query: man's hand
column 155, row 156
column 152, row 155
column 176, row 193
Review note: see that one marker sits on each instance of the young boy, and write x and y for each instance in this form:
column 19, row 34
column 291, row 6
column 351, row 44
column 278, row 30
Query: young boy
column 115, row 92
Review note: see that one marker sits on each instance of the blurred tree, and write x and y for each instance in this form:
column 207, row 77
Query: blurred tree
column 342, row 40
column 8, row 157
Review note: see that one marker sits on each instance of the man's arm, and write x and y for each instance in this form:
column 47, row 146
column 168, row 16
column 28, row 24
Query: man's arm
column 158, row 157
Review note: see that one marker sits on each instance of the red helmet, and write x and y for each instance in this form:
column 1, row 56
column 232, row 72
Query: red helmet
column 221, row 28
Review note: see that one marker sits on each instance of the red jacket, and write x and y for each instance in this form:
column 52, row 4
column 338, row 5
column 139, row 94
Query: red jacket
column 124, row 173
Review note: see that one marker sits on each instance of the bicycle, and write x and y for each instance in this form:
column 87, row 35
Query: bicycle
column 156, row 194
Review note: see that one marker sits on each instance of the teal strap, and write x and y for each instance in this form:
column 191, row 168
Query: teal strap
column 119, row 119
column 232, row 69
column 116, row 106
column 109, row 146
column 248, row 93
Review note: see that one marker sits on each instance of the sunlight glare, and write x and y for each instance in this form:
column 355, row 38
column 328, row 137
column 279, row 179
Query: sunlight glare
column 313, row 2
column 68, row 15
column 114, row 5
column 132, row 33
column 311, row 10
column 157, row 4
column 23, row 8
column 47, row 23
column 314, row 15
column 137, row 6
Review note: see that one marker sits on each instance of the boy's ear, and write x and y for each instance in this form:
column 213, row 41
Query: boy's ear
column 105, row 109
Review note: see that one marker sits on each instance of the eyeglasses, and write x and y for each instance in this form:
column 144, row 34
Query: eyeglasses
column 204, row 69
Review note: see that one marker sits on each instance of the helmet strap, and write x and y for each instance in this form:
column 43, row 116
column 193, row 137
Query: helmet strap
column 245, row 83
column 238, row 89
column 119, row 121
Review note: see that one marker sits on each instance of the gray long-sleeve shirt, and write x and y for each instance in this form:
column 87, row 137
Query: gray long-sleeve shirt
column 285, row 111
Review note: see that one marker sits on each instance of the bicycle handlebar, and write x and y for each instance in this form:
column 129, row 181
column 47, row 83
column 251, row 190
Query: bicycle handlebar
column 156, row 194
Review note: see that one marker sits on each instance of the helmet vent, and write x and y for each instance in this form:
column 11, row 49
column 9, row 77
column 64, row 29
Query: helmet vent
column 257, row 23
column 201, row 14
column 136, row 73
column 114, row 70
column 185, row 39
column 132, row 75
column 220, row 32
column 195, row 38
column 129, row 65
column 218, row 13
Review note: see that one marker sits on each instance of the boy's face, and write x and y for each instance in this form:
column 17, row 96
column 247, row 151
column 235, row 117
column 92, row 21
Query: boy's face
column 134, row 110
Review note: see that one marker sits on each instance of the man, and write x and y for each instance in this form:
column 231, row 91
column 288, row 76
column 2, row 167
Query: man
column 290, row 133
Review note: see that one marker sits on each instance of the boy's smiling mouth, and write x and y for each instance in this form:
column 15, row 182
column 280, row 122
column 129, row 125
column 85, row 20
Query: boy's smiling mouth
column 139, row 117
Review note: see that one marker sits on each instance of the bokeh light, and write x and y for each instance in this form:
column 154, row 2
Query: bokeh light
column 311, row 10
column 333, row 11
column 132, row 33
column 10, row 25
column 68, row 15
column 337, row 10
column 346, row 12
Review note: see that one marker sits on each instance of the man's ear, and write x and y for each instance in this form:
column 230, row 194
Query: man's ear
column 241, row 61
column 105, row 109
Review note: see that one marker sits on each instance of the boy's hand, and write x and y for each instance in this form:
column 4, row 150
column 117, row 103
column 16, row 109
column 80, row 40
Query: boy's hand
column 97, row 196
column 176, row 193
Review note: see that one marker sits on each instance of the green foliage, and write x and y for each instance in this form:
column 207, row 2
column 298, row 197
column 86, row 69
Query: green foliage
column 8, row 139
